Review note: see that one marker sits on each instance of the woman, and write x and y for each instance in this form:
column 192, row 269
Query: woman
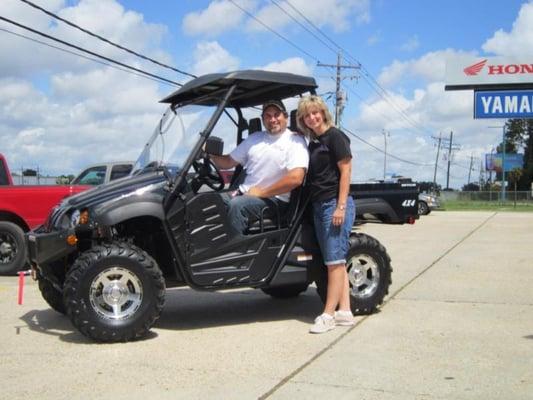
column 329, row 176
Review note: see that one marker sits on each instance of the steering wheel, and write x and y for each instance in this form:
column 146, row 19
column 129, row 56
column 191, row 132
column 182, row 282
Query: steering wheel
column 207, row 172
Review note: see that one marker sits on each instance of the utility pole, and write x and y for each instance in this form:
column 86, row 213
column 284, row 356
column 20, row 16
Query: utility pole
column 504, row 143
column 339, row 95
column 385, row 134
column 470, row 168
column 436, row 163
column 451, row 147
column 449, row 161
column 481, row 176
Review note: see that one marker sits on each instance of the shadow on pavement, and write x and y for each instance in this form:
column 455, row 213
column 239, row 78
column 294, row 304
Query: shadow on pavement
column 52, row 323
column 187, row 309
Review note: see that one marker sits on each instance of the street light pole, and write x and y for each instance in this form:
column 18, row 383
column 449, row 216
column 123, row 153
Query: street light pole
column 503, row 164
column 385, row 133
column 492, row 151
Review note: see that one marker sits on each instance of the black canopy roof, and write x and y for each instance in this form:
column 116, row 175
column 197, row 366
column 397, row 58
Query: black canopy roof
column 254, row 87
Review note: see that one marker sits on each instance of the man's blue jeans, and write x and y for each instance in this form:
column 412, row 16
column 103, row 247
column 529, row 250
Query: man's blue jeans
column 242, row 209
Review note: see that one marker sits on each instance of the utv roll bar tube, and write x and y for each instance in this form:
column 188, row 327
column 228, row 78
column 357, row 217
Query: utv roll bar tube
column 169, row 200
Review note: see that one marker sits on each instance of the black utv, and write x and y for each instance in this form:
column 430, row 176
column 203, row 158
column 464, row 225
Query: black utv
column 104, row 257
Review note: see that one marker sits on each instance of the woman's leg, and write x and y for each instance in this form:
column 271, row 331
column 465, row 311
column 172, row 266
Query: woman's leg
column 337, row 280
column 344, row 304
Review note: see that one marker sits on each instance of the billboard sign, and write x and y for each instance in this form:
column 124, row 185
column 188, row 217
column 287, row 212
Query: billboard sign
column 503, row 104
column 493, row 161
column 485, row 72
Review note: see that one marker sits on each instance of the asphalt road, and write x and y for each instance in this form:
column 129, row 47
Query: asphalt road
column 458, row 324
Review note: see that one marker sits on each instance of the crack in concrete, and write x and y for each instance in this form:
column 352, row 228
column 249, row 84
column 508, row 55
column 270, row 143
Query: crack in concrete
column 483, row 303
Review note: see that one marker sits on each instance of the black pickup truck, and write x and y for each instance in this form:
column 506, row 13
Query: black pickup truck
column 105, row 257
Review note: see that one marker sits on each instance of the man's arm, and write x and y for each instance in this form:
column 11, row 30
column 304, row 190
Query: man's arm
column 224, row 162
column 291, row 180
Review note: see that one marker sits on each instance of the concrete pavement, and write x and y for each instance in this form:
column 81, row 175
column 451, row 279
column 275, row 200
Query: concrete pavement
column 458, row 324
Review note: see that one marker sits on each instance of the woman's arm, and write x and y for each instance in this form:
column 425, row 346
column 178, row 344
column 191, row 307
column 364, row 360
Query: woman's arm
column 345, row 169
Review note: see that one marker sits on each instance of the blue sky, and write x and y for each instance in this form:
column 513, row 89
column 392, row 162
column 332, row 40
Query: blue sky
column 51, row 101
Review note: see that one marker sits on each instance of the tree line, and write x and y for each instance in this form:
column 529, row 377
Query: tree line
column 518, row 137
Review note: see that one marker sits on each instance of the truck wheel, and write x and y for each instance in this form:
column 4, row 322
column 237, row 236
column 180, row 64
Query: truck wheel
column 423, row 208
column 369, row 272
column 52, row 296
column 114, row 292
column 286, row 292
column 12, row 248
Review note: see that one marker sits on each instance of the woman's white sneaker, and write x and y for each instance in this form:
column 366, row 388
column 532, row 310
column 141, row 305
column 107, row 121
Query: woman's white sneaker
column 323, row 323
column 344, row 318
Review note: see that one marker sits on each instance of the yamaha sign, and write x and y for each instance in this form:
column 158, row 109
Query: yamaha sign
column 489, row 73
column 503, row 104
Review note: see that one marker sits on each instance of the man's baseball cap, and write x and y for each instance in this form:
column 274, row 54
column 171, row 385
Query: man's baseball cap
column 275, row 103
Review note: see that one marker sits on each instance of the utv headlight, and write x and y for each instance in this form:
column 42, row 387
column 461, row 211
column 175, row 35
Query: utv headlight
column 75, row 218
column 79, row 218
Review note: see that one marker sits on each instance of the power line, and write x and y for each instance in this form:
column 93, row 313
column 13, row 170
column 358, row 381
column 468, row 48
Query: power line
column 302, row 25
column 383, row 94
column 314, row 26
column 82, row 56
column 382, row 151
column 274, row 31
column 105, row 40
column 367, row 76
column 88, row 51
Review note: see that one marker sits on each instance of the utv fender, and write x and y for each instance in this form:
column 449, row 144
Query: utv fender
column 116, row 213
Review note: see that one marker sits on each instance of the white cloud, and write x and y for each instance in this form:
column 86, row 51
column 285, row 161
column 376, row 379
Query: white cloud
column 294, row 65
column 220, row 16
column 336, row 14
column 430, row 67
column 518, row 41
column 211, row 57
column 415, row 118
column 108, row 117
column 76, row 112
column 104, row 17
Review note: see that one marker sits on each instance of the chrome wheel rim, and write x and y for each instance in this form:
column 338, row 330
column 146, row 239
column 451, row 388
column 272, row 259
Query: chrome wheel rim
column 116, row 293
column 363, row 274
column 8, row 248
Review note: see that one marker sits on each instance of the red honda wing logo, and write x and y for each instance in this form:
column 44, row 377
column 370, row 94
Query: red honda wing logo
column 475, row 69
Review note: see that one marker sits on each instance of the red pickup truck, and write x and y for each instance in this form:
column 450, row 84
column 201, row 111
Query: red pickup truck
column 23, row 208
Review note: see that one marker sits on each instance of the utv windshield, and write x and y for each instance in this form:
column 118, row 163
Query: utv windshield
column 176, row 134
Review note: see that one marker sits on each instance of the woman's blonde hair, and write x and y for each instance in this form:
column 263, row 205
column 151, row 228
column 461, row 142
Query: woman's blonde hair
column 307, row 103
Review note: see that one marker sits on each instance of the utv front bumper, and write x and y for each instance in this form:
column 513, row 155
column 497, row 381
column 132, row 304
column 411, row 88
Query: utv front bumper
column 46, row 247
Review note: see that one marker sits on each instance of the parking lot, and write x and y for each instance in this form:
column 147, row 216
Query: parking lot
column 457, row 324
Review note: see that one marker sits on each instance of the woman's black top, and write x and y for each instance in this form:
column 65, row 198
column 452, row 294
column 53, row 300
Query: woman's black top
column 324, row 153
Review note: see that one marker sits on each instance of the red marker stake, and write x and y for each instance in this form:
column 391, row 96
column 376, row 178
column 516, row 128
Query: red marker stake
column 21, row 286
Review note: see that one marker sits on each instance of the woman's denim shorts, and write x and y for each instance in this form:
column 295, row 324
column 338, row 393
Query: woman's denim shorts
column 334, row 240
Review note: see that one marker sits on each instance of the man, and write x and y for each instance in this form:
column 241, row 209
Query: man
column 275, row 161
